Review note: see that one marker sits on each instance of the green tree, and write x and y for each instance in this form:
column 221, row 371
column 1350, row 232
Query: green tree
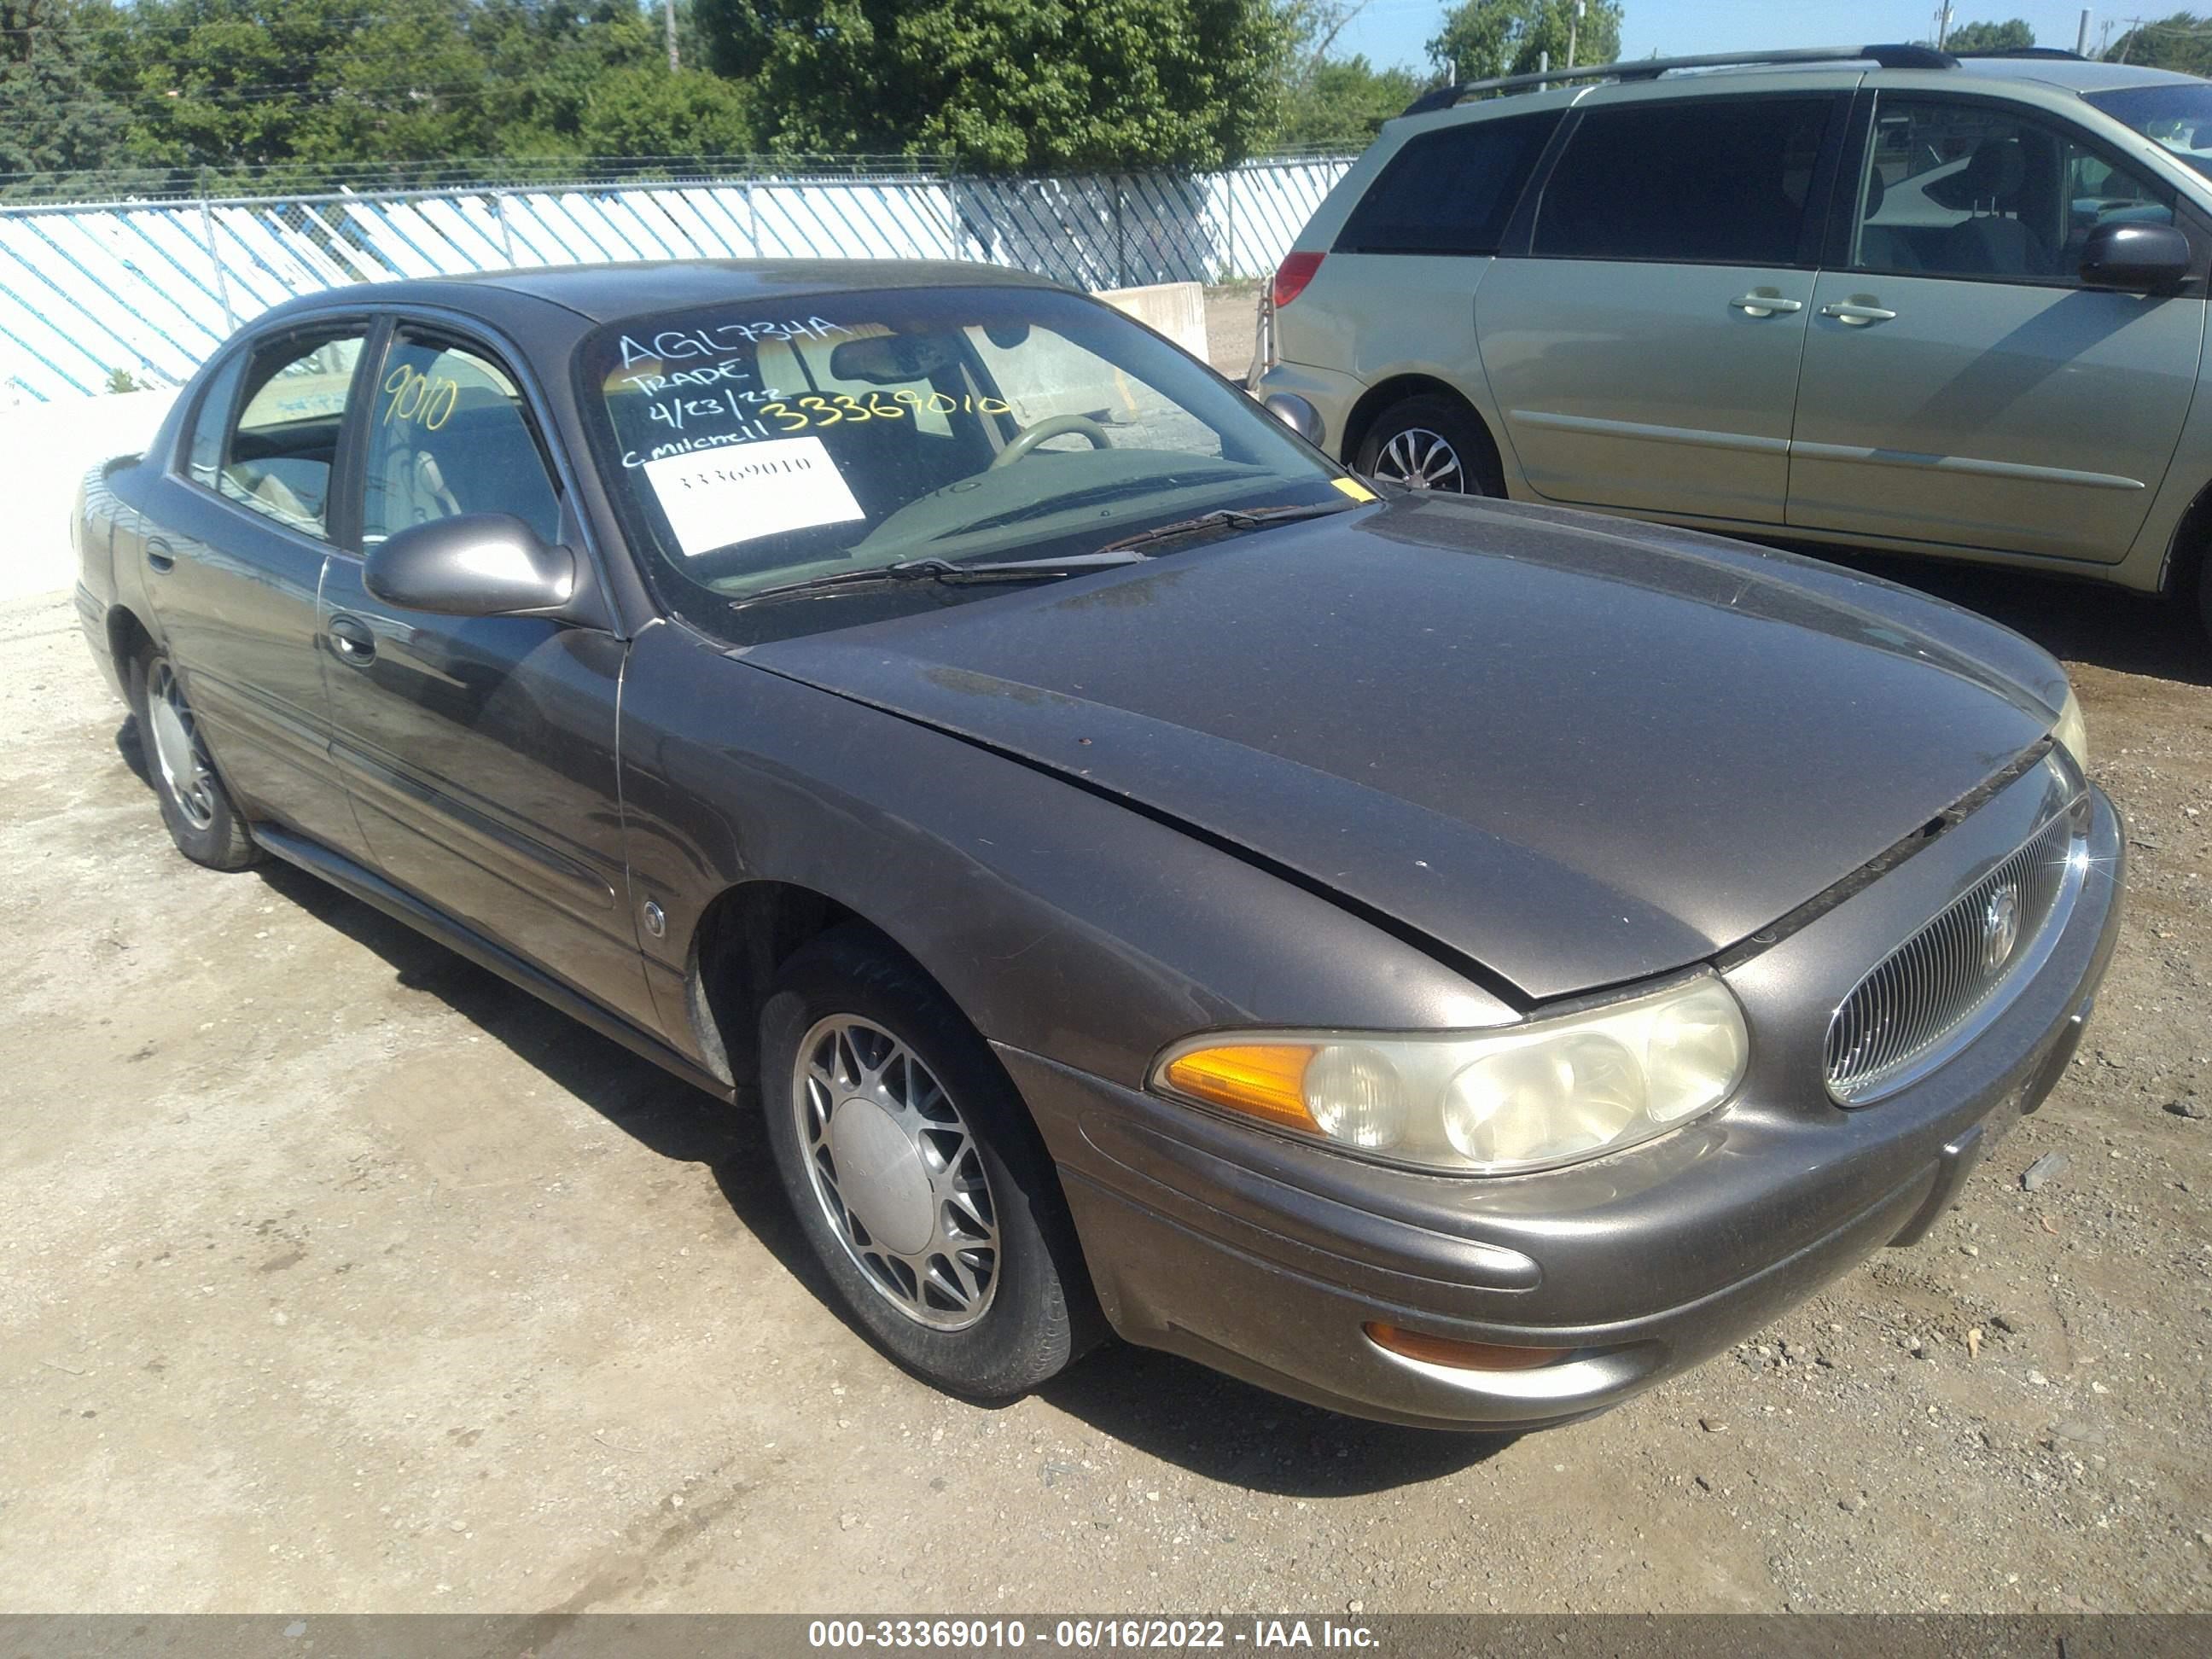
column 547, row 64
column 2183, row 41
column 651, row 112
column 1486, row 38
column 1005, row 85
column 1991, row 36
column 251, row 83
column 1343, row 102
column 53, row 115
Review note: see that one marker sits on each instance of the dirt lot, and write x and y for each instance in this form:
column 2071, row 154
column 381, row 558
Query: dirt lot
column 343, row 1277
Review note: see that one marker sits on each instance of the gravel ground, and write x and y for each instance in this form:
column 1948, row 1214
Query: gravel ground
column 344, row 1277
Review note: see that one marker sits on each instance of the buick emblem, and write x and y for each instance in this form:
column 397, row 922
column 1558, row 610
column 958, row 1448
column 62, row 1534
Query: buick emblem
column 2000, row 928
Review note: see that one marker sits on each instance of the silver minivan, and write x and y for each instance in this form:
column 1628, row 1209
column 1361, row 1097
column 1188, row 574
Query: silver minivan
column 1884, row 297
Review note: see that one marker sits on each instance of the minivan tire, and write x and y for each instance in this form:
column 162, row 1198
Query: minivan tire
column 198, row 812
column 939, row 1104
column 1432, row 442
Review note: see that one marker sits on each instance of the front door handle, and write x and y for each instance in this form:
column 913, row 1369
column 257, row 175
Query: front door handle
column 1765, row 305
column 351, row 640
column 1857, row 315
column 160, row 556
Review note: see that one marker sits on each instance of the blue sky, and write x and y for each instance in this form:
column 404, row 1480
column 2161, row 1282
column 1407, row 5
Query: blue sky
column 1397, row 30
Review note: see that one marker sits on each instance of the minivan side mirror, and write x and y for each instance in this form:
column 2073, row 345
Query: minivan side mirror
column 2135, row 257
column 473, row 564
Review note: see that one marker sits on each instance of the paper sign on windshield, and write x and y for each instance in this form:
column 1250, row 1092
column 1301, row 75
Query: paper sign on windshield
column 718, row 496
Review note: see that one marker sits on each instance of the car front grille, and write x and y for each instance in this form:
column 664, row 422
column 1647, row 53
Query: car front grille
column 1930, row 997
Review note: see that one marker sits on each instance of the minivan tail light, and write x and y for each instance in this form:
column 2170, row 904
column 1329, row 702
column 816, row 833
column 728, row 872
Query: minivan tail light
column 1292, row 275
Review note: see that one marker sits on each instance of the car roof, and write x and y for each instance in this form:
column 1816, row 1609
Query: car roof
column 2073, row 73
column 1725, row 73
column 608, row 293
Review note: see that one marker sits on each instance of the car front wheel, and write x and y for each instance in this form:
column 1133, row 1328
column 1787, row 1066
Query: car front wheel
column 917, row 1175
column 1432, row 443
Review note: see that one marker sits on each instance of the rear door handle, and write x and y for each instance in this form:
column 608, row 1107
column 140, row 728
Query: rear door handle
column 160, row 556
column 351, row 640
column 1857, row 316
column 1765, row 305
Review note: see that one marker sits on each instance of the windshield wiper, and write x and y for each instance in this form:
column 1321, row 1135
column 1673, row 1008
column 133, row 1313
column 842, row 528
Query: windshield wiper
column 1097, row 496
column 944, row 570
column 1228, row 518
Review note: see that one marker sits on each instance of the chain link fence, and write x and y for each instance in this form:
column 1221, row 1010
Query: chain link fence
column 104, row 296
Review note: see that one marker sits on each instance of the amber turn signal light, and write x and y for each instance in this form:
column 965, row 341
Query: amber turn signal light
column 1461, row 1356
column 1265, row 1079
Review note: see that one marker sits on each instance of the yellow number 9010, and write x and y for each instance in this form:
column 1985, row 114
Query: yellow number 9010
column 416, row 396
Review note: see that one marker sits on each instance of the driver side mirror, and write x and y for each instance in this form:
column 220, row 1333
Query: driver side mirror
column 2135, row 258
column 473, row 564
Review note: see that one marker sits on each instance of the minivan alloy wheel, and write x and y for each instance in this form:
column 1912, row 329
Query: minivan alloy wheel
column 897, row 1172
column 177, row 748
column 1422, row 459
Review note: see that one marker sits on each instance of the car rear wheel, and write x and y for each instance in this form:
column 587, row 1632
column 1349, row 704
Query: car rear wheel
column 195, row 806
column 918, row 1179
column 1432, row 443
column 2204, row 597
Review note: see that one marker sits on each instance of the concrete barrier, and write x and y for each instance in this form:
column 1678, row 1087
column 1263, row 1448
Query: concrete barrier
column 1175, row 309
column 45, row 449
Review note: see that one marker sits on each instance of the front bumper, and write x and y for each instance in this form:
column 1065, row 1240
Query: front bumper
column 1265, row 1257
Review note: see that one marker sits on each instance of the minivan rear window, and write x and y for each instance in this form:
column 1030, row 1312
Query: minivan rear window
column 1449, row 192
column 1713, row 181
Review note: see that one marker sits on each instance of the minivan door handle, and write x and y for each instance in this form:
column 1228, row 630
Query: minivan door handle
column 1765, row 305
column 351, row 639
column 1857, row 315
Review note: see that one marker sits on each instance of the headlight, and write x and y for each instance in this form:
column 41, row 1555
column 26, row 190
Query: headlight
column 2072, row 731
column 1498, row 1102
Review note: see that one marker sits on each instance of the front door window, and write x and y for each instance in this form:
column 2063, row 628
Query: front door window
column 1963, row 188
column 449, row 433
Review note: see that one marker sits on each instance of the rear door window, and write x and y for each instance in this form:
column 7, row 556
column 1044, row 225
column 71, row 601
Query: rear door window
column 280, row 453
column 1449, row 192
column 1712, row 181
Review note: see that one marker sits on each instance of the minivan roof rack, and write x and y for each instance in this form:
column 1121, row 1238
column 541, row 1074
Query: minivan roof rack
column 2066, row 53
column 1651, row 69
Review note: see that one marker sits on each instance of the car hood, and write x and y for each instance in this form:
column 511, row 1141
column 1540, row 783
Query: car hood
column 1573, row 750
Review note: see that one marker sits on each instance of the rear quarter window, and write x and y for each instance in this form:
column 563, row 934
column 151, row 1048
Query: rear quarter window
column 1449, row 192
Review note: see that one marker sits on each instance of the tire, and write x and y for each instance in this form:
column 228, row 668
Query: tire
column 1432, row 442
column 870, row 1077
column 2204, row 597
column 202, row 819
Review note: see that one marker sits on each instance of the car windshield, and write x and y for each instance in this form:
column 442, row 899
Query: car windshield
column 2177, row 115
column 771, row 445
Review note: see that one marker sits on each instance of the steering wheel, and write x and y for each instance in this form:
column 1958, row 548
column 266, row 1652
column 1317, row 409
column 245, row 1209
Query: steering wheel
column 1053, row 425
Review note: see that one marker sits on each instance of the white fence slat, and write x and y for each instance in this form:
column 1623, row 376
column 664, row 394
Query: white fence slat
column 134, row 285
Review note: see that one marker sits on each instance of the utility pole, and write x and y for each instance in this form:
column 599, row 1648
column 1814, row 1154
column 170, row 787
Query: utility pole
column 1574, row 28
column 668, row 11
column 1943, row 24
column 2082, row 37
